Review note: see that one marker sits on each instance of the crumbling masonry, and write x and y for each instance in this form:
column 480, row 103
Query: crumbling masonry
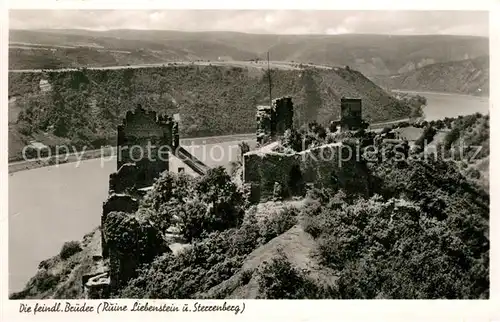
column 145, row 141
column 267, row 172
column 274, row 120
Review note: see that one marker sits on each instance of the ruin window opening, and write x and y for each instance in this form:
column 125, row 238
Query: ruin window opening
column 296, row 181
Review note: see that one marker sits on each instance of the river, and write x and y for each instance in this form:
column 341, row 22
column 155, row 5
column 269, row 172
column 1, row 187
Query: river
column 441, row 105
column 49, row 206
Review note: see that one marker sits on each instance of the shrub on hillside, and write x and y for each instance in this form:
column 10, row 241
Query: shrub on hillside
column 246, row 276
column 451, row 137
column 412, row 246
column 42, row 282
column 69, row 249
column 248, row 237
column 193, row 219
column 276, row 224
column 223, row 199
column 208, row 262
column 385, row 130
column 426, row 137
column 165, row 200
column 49, row 263
column 278, row 279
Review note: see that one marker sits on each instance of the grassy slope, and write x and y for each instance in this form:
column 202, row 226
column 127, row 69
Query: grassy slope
column 297, row 245
column 212, row 100
column 371, row 54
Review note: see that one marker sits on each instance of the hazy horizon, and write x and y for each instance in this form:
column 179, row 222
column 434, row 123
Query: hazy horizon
column 240, row 32
column 278, row 22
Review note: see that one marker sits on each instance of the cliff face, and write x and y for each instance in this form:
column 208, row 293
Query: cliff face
column 470, row 76
column 86, row 106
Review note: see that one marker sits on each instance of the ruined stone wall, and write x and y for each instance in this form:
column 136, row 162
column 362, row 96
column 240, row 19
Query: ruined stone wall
column 146, row 141
column 327, row 166
column 283, row 108
column 115, row 202
column 96, row 286
column 351, row 113
column 335, row 166
column 132, row 241
column 265, row 124
column 274, row 120
column 144, row 129
column 133, row 176
column 263, row 170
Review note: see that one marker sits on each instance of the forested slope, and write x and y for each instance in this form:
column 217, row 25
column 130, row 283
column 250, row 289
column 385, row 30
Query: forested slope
column 85, row 106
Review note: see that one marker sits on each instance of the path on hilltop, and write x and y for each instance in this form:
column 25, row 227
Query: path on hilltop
column 283, row 65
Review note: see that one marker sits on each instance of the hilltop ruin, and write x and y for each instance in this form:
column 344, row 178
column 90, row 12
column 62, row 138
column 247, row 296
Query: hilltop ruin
column 274, row 120
column 148, row 144
column 268, row 173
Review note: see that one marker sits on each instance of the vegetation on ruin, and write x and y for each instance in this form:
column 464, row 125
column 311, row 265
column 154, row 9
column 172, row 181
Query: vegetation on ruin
column 211, row 259
column 200, row 206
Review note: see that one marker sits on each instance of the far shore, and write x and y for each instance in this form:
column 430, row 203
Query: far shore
column 439, row 93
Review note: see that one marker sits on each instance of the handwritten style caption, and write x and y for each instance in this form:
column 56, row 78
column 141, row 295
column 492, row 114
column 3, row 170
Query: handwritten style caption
column 138, row 306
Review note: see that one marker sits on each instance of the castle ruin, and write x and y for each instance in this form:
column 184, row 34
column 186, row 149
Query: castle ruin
column 147, row 143
column 350, row 115
column 330, row 165
column 274, row 120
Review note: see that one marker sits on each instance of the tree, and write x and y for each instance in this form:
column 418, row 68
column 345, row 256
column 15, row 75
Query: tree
column 426, row 137
column 292, row 139
column 168, row 194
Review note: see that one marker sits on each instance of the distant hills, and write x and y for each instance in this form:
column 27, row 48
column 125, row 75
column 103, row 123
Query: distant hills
column 469, row 76
column 372, row 55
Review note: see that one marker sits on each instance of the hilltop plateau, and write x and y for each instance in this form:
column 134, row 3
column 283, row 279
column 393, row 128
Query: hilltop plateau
column 370, row 54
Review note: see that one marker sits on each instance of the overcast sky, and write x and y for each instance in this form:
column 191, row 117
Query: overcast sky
column 264, row 21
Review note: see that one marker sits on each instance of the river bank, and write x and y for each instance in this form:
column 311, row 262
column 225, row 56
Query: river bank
column 109, row 151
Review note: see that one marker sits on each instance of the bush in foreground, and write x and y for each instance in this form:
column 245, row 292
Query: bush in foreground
column 278, row 279
column 69, row 249
column 276, row 224
column 429, row 243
